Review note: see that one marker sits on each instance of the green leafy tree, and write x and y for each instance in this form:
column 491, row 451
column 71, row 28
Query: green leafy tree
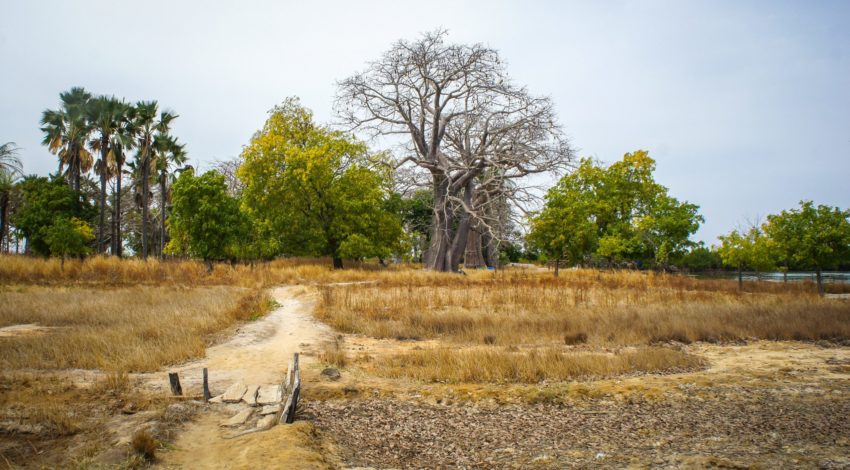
column 205, row 221
column 44, row 201
column 617, row 213
column 68, row 237
column 564, row 230
column 750, row 249
column 812, row 237
column 315, row 192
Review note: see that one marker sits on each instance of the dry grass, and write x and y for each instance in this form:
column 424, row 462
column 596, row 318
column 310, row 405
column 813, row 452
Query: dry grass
column 533, row 366
column 144, row 443
column 98, row 270
column 118, row 329
column 333, row 354
column 585, row 307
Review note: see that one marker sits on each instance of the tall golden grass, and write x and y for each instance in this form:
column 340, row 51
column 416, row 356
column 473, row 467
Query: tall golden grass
column 533, row 366
column 626, row 308
column 527, row 327
column 118, row 329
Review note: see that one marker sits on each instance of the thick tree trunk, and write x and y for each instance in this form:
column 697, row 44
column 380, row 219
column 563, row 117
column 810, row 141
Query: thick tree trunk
column 491, row 253
column 462, row 234
column 557, row 267
column 473, row 258
column 436, row 257
column 337, row 262
column 821, row 290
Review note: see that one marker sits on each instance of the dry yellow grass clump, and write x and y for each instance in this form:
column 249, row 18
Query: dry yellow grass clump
column 117, row 329
column 514, row 365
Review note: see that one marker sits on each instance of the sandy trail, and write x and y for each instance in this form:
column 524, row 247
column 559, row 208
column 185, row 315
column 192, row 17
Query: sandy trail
column 259, row 353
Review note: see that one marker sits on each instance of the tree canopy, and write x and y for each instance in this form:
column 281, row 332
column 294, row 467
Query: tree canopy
column 313, row 191
column 615, row 214
column 205, row 221
column 49, row 201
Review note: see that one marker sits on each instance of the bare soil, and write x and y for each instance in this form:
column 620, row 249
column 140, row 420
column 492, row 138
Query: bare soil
column 763, row 405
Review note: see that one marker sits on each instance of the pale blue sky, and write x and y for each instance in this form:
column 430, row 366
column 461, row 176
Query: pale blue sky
column 745, row 105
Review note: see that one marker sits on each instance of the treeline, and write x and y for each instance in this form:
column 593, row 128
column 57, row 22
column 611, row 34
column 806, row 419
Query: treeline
column 133, row 157
column 456, row 190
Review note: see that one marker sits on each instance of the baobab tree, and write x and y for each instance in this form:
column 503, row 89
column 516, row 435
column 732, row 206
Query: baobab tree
column 461, row 118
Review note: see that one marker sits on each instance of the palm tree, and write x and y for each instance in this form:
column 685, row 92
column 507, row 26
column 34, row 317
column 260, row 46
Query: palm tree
column 107, row 116
column 168, row 152
column 66, row 131
column 10, row 169
column 9, row 161
column 123, row 139
column 148, row 125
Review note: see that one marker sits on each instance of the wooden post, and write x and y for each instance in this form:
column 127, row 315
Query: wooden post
column 207, row 395
column 288, row 413
column 174, row 380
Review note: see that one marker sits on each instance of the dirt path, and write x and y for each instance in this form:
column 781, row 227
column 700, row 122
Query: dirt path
column 259, row 353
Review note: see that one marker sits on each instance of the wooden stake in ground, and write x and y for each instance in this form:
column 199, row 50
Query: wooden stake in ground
column 207, row 395
column 174, row 380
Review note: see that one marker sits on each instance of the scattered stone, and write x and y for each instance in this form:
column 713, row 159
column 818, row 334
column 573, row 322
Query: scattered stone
column 331, row 374
column 234, row 393
column 218, row 399
column 250, row 396
column 269, row 395
column 239, row 419
column 129, row 409
column 270, row 409
column 266, row 422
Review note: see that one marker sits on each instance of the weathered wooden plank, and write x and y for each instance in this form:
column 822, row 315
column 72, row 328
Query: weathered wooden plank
column 174, row 381
column 291, row 405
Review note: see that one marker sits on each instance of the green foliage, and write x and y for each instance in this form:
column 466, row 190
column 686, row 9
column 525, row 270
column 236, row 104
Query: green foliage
column 750, row 250
column 68, row 237
column 811, row 237
column 45, row 202
column 313, row 191
column 700, row 258
column 618, row 213
column 205, row 221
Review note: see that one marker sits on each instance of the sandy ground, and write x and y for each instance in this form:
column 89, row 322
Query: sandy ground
column 259, row 353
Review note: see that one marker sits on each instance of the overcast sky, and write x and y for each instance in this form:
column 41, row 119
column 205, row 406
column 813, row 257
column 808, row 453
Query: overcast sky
column 744, row 105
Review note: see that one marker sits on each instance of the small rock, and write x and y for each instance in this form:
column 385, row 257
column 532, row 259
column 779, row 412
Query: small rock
column 234, row 393
column 270, row 409
column 217, row 399
column 129, row 409
column 269, row 395
column 250, row 396
column 239, row 418
column 266, row 422
column 331, row 374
